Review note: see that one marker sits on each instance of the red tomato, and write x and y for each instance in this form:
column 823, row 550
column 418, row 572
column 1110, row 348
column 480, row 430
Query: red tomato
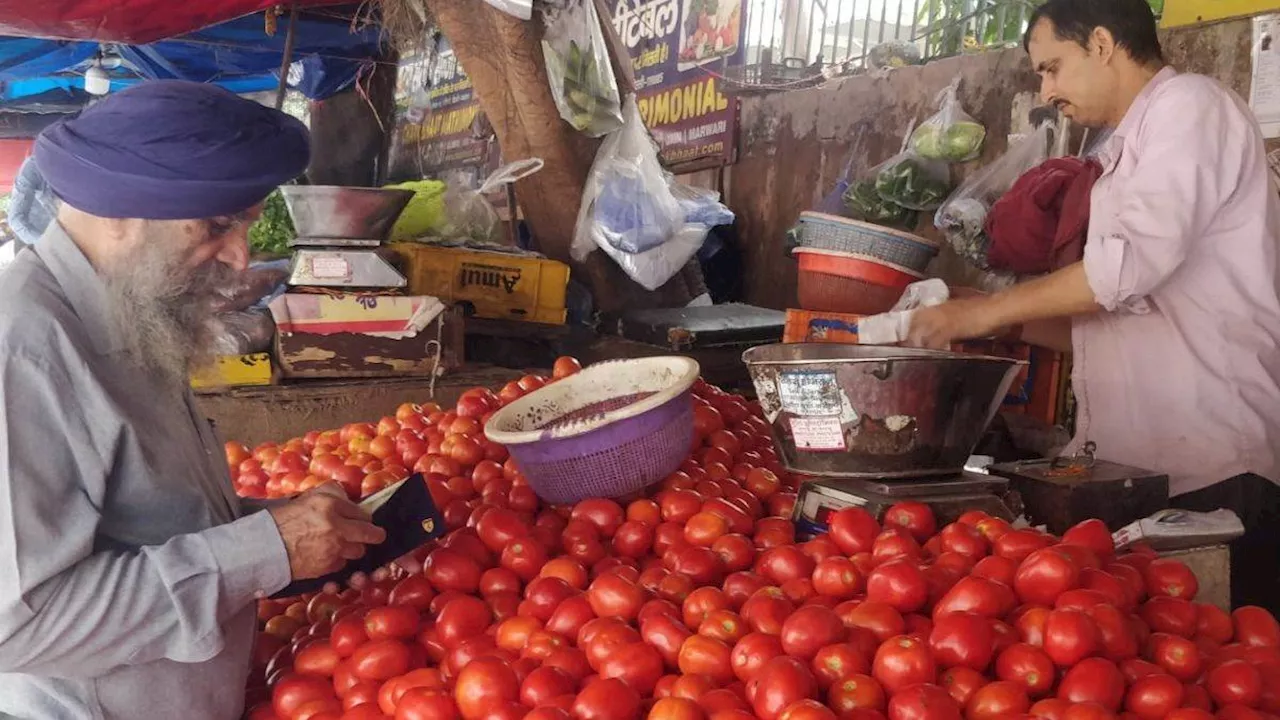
column 900, row 584
column 701, row 602
column 807, row 710
column 809, row 629
column 1213, row 623
column 1000, row 699
column 837, row 577
column 450, row 570
column 1028, row 666
column 1175, row 616
column 484, row 685
column 607, row 699
column 923, row 701
column 962, row 639
column 1044, row 575
column 961, row 683
column 881, row 620
column 1116, row 639
column 752, row 652
column 895, row 543
column 380, row 660
column 637, row 664
column 391, row 622
column 1234, row 682
column 1050, row 709
column 462, row 618
column 782, row 681
column 964, row 540
column 903, row 661
column 1069, row 637
column 1153, row 697
column 1018, row 544
column 1255, row 627
column 294, row 691
column 701, row 655
column 767, row 610
column 854, row 530
column 914, row 517
column 995, row 567
column 318, row 658
column 1093, row 680
column 834, row 663
column 612, row 595
column 1177, row 655
column 1165, row 577
column 979, row 596
column 783, row 563
column 666, row 634
column 854, row 693
column 675, row 708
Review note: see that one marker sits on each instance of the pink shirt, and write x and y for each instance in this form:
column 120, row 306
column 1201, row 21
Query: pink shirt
column 1181, row 372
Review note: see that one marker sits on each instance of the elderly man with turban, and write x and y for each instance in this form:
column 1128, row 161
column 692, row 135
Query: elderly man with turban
column 128, row 567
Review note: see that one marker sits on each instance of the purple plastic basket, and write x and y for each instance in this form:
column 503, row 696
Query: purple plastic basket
column 612, row 459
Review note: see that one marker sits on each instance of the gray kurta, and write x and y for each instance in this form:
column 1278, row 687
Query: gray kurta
column 128, row 568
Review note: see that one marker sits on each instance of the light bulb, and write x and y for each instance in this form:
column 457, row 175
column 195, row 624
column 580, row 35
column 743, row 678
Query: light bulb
column 97, row 81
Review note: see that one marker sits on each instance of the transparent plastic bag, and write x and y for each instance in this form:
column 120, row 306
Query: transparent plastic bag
column 627, row 203
column 468, row 213
column 963, row 217
column 951, row 135
column 701, row 206
column 578, row 67
column 242, row 332
column 653, row 268
column 909, row 180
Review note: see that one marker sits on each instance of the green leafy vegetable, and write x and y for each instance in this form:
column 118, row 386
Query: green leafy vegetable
column 957, row 142
column 863, row 203
column 273, row 231
column 910, row 182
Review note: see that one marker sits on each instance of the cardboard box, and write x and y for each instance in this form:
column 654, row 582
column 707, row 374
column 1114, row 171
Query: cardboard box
column 356, row 335
column 494, row 285
column 234, row 371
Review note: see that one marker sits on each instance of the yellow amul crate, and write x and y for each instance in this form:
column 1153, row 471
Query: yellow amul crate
column 487, row 284
column 234, row 371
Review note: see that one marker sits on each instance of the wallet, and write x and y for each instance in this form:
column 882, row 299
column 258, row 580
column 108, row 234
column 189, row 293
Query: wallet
column 405, row 510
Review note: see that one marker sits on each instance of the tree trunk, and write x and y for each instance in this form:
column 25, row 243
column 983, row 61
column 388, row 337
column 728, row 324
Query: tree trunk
column 503, row 57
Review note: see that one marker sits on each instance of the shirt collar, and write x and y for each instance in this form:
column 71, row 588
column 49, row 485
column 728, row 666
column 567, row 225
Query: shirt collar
column 1134, row 116
column 81, row 285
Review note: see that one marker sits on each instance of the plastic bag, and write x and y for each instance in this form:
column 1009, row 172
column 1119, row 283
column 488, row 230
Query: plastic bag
column 951, row 134
column 468, row 213
column 963, row 216
column 522, row 9
column 627, row 203
column 909, row 180
column 578, row 68
column 701, row 206
column 425, row 213
column 242, row 332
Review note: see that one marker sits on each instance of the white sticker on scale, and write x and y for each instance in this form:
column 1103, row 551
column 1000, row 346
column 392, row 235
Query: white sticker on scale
column 809, row 394
column 330, row 267
column 817, row 433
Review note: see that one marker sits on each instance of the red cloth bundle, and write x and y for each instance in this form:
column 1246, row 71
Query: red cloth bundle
column 1040, row 224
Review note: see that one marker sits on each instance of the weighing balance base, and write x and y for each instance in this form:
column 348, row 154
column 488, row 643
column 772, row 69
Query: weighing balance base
column 949, row 496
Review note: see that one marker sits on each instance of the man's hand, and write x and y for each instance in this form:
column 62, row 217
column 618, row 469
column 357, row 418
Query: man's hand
column 939, row 326
column 322, row 530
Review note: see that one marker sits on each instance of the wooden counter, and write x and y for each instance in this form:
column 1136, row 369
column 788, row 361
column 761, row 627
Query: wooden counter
column 254, row 415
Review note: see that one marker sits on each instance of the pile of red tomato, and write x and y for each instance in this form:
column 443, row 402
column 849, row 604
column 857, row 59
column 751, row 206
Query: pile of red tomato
column 697, row 601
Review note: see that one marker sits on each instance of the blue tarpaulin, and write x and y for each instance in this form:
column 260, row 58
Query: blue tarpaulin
column 328, row 55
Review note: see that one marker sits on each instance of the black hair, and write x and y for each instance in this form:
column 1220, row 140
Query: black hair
column 1130, row 22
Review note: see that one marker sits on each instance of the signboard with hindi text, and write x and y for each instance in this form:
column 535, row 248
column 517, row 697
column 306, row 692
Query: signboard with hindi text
column 439, row 124
column 678, row 49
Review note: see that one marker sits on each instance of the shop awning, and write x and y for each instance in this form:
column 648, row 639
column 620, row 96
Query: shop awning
column 237, row 54
column 125, row 21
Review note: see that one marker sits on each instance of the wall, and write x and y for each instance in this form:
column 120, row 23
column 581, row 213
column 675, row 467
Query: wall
column 793, row 146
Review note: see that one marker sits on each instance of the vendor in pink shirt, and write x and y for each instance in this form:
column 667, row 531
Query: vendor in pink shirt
column 1173, row 316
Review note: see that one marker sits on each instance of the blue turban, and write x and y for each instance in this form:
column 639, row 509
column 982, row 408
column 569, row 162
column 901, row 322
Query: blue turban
column 171, row 150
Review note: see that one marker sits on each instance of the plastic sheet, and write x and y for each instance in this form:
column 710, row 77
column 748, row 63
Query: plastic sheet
column 578, row 67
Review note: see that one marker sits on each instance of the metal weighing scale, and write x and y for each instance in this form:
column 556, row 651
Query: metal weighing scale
column 340, row 236
column 950, row 496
